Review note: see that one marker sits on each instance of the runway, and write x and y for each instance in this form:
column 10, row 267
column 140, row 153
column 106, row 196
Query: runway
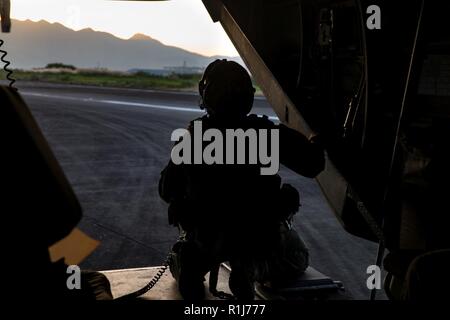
column 112, row 145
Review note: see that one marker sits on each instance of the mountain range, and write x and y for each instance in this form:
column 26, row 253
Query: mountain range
column 36, row 44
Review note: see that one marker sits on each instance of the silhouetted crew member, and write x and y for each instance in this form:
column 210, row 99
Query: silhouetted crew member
column 232, row 212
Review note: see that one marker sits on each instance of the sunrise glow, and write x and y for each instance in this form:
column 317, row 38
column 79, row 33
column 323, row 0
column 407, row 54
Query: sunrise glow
column 181, row 23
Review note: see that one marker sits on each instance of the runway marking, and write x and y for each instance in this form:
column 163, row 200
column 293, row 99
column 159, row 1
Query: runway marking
column 153, row 106
column 122, row 103
column 182, row 93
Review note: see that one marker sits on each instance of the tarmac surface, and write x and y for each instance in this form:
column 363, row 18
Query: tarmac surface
column 112, row 145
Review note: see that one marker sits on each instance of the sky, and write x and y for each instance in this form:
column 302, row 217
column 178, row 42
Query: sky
column 182, row 23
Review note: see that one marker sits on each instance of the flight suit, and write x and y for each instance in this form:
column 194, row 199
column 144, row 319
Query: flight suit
column 232, row 212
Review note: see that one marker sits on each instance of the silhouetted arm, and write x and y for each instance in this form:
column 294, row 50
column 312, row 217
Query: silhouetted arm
column 299, row 153
column 171, row 183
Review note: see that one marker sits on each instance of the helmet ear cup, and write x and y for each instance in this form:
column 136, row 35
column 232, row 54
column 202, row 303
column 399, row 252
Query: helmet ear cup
column 249, row 100
column 205, row 80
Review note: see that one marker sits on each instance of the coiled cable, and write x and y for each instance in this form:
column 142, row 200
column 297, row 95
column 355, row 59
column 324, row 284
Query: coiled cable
column 150, row 285
column 8, row 71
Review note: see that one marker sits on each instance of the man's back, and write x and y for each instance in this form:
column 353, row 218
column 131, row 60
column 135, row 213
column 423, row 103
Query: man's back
column 233, row 201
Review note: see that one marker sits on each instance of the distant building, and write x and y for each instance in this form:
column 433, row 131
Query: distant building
column 184, row 69
column 167, row 71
